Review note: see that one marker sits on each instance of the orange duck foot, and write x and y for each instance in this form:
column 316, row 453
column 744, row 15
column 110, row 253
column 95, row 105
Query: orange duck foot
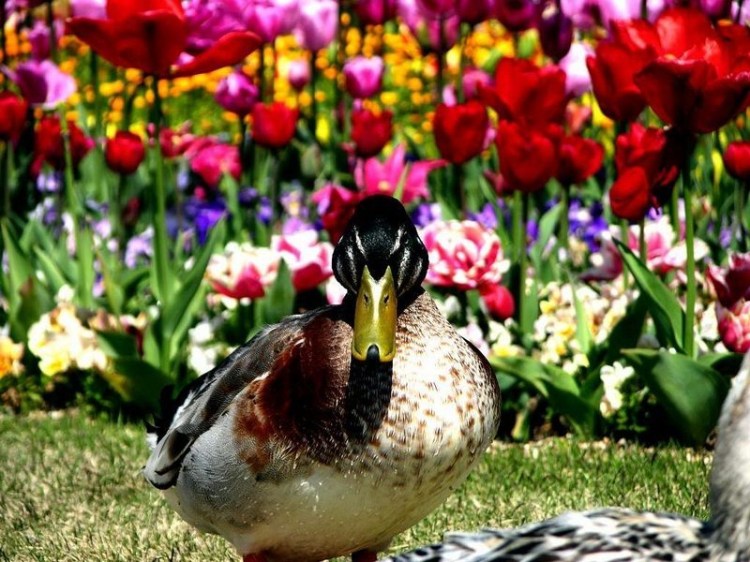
column 364, row 556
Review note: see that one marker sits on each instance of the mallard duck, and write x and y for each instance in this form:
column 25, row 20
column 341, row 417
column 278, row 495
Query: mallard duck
column 331, row 432
column 623, row 535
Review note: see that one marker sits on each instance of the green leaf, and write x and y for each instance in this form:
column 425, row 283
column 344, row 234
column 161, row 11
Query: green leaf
column 52, row 272
column 279, row 300
column 583, row 331
column 85, row 259
column 117, row 344
column 665, row 309
column 557, row 386
column 19, row 267
column 690, row 393
column 137, row 382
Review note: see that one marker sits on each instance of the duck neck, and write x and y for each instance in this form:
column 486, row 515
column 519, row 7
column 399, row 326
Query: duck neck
column 368, row 395
column 730, row 477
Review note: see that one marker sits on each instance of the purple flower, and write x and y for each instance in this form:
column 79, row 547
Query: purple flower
column 486, row 217
column 364, row 76
column 577, row 78
column 42, row 83
column 265, row 210
column 293, row 203
column 588, row 224
column 204, row 215
column 208, row 20
column 318, row 23
column 139, row 249
column 247, row 196
column 426, row 213
column 39, row 37
column 237, row 93
column 271, row 18
column 49, row 181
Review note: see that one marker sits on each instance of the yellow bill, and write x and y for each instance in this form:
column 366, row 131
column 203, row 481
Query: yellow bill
column 375, row 317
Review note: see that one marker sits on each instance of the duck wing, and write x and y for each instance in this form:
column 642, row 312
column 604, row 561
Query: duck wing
column 203, row 401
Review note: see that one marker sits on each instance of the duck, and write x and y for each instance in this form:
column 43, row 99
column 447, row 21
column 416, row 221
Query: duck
column 329, row 433
column 625, row 535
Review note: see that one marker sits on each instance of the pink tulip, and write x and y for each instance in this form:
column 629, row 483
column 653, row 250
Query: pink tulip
column 463, row 255
column 373, row 176
column 237, row 93
column 95, row 9
column 271, row 18
column 318, row 23
column 732, row 286
column 364, row 76
column 43, row 83
column 577, row 78
column 372, row 12
column 308, row 259
column 212, row 160
column 734, row 325
column 243, row 271
column 298, row 73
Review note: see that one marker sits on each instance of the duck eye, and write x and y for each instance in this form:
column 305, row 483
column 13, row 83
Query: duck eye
column 386, row 299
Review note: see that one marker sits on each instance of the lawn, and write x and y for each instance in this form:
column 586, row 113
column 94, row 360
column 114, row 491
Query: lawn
column 71, row 490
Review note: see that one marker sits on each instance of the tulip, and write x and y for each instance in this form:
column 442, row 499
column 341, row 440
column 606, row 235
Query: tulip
column 516, row 15
column 274, row 124
column 209, row 20
column 213, row 160
column 371, row 131
column 39, row 37
column 89, row 8
column 43, row 83
column 298, row 74
column 471, row 81
column 375, row 12
column 363, row 76
column 699, row 82
column 151, row 36
column 580, row 158
column 436, row 9
column 271, row 18
column 308, row 258
column 577, row 76
column 387, row 177
column 335, row 206
column 12, row 116
column 648, row 168
column 318, row 23
column 460, row 130
column 474, row 11
column 243, row 271
column 523, row 92
column 124, row 152
column 49, row 145
column 499, row 302
column 555, row 33
column 528, row 158
column 737, row 159
column 237, row 93
column 732, row 286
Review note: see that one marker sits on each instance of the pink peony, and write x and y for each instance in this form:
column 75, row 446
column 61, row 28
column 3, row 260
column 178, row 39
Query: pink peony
column 463, row 254
column 243, row 271
column 309, row 259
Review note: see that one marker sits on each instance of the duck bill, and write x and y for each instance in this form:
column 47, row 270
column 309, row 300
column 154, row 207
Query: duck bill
column 375, row 316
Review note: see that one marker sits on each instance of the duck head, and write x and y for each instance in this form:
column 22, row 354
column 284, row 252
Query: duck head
column 382, row 262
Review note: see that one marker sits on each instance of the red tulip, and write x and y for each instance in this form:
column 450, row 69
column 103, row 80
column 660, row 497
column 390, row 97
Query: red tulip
column 733, row 283
column 274, row 124
column 371, row 131
column 647, row 162
column 525, row 93
column 335, row 207
column 580, row 158
column 460, row 130
column 612, row 71
column 12, row 116
column 150, row 35
column 699, row 82
column 49, row 144
column 124, row 152
column 528, row 157
column 499, row 302
column 737, row 159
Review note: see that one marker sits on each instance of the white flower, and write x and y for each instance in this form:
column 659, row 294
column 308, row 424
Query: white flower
column 613, row 377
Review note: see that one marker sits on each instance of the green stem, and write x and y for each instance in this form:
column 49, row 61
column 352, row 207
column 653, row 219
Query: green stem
column 159, row 217
column 564, row 231
column 5, row 176
column 84, row 289
column 314, row 101
column 642, row 241
column 674, row 210
column 242, row 147
column 52, row 33
column 520, row 212
column 625, row 236
column 115, row 212
column 739, row 207
column 687, row 190
column 458, row 188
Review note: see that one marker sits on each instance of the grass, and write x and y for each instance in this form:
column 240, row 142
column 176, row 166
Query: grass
column 71, row 490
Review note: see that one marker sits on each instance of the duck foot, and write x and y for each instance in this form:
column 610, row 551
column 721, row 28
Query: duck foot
column 254, row 558
column 364, row 556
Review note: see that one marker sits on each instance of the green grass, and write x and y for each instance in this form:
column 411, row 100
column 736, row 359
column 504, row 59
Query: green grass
column 71, row 489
